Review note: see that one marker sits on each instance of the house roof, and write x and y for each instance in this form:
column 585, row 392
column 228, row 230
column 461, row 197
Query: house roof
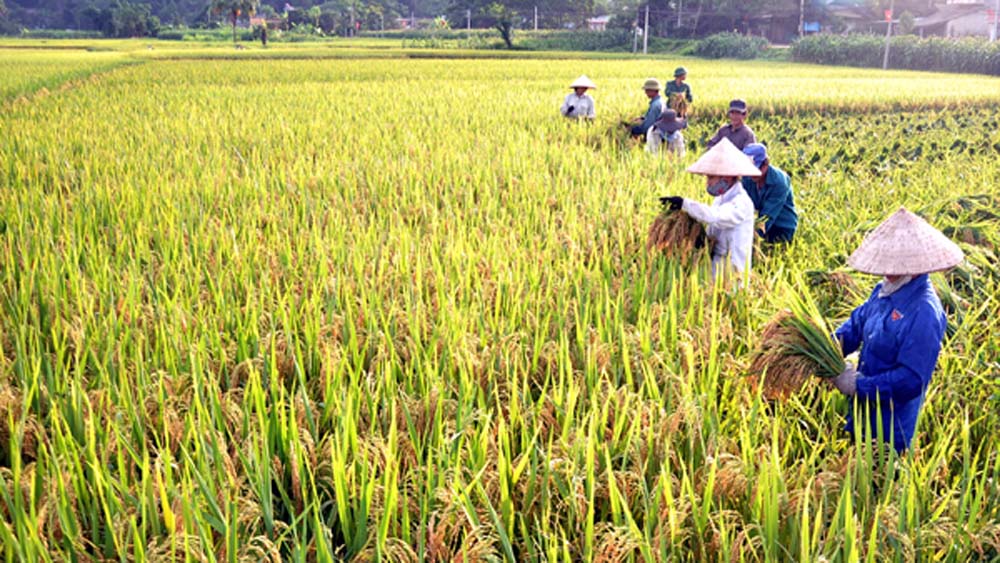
column 947, row 13
column 845, row 3
column 851, row 12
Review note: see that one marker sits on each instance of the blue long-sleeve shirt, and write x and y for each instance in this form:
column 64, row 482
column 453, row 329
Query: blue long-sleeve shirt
column 900, row 338
column 656, row 107
column 774, row 200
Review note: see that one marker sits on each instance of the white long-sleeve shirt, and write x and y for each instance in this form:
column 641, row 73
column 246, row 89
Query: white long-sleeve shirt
column 729, row 221
column 583, row 106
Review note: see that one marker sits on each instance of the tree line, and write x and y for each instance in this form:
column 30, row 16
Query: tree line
column 670, row 18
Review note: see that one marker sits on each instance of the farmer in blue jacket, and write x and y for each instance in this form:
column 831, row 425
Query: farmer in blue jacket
column 641, row 125
column 771, row 193
column 899, row 328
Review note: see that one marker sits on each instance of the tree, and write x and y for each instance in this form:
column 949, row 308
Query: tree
column 6, row 26
column 134, row 20
column 234, row 9
column 501, row 15
column 503, row 21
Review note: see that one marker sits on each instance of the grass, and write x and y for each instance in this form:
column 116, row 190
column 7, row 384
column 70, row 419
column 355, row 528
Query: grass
column 400, row 310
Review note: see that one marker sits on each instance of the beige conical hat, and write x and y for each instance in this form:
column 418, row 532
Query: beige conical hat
column 724, row 159
column 905, row 245
column 583, row 82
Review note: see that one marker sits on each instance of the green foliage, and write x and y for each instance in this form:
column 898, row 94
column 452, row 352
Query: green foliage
column 234, row 9
column 123, row 18
column 906, row 22
column 905, row 52
column 612, row 40
column 59, row 34
column 507, row 15
column 503, row 20
column 731, row 46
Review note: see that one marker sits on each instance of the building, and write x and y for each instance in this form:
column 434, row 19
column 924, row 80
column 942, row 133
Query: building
column 957, row 18
column 600, row 23
column 853, row 16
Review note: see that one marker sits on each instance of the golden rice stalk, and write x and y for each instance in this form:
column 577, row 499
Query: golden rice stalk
column 797, row 343
column 676, row 235
column 678, row 102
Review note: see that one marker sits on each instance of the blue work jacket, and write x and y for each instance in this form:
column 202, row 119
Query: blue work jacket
column 656, row 107
column 774, row 200
column 900, row 337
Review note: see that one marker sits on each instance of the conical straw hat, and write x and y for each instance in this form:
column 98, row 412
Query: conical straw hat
column 905, row 245
column 583, row 82
column 724, row 159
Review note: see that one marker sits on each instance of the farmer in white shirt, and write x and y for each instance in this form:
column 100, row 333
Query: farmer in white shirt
column 579, row 104
column 729, row 220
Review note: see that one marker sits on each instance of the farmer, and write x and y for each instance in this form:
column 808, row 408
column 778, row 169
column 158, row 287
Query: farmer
column 737, row 131
column 899, row 328
column 667, row 130
column 771, row 193
column 579, row 104
column 677, row 88
column 641, row 125
column 730, row 217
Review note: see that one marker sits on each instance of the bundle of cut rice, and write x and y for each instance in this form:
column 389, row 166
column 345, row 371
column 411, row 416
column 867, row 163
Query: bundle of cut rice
column 796, row 344
column 678, row 102
column 676, row 235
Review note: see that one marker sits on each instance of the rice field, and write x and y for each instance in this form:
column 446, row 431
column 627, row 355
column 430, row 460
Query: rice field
column 327, row 304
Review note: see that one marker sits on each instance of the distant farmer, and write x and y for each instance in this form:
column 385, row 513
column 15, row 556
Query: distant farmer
column 641, row 125
column 263, row 35
column 579, row 104
column 678, row 92
column 899, row 328
column 771, row 193
column 667, row 130
column 730, row 217
column 736, row 130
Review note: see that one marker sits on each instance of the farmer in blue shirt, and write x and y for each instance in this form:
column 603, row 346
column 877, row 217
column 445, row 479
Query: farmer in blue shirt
column 772, row 197
column 656, row 106
column 899, row 328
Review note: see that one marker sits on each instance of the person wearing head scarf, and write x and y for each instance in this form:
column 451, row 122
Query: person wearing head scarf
column 667, row 130
column 737, row 131
column 578, row 103
column 642, row 125
column 771, row 193
column 729, row 220
column 898, row 330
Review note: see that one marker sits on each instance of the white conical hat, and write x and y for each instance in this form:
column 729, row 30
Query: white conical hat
column 905, row 245
column 583, row 82
column 724, row 159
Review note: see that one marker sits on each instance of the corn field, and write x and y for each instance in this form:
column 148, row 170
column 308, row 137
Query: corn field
column 371, row 304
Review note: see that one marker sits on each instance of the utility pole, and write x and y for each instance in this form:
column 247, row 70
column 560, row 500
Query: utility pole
column 381, row 24
column 996, row 21
column 680, row 8
column 635, row 34
column 802, row 17
column 468, row 20
column 352, row 20
column 888, row 33
column 536, row 17
column 645, row 32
